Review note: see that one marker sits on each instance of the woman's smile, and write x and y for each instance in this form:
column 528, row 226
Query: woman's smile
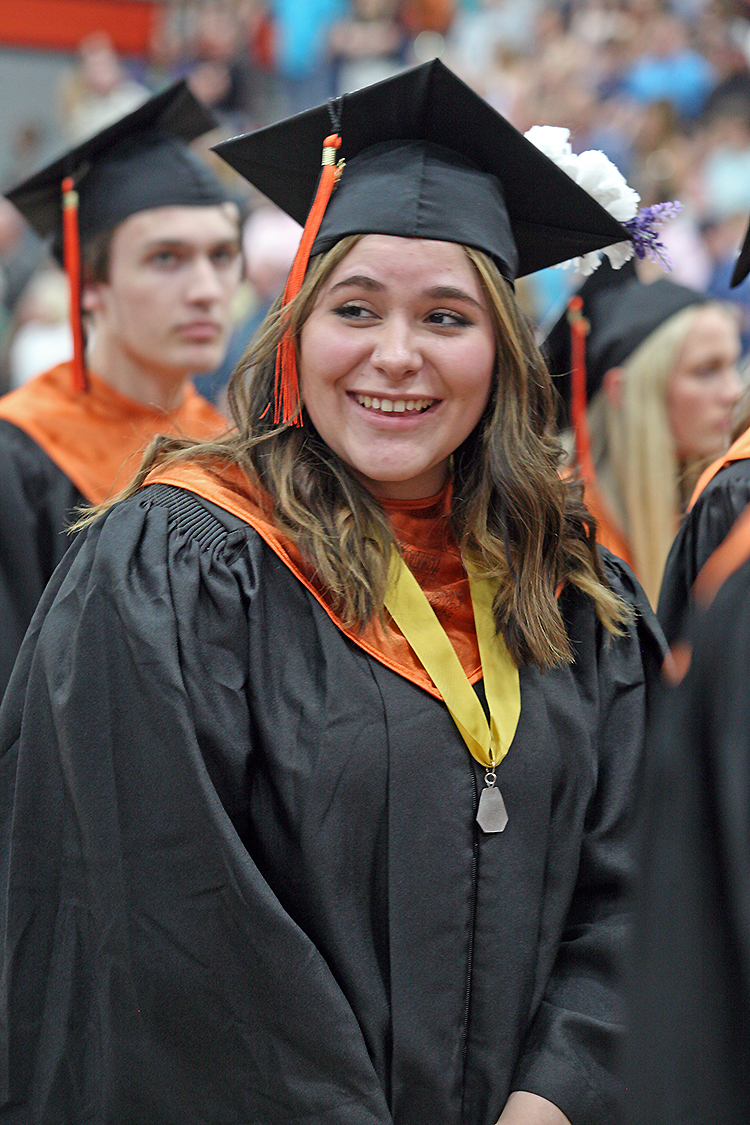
column 397, row 361
column 384, row 405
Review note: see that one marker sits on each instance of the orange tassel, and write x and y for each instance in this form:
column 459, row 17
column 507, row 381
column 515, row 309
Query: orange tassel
column 287, row 405
column 578, row 404
column 72, row 262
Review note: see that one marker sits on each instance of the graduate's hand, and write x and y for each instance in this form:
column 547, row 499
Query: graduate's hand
column 523, row 1108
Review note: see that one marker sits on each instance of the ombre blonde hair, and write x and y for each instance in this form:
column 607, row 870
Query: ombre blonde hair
column 511, row 512
column 635, row 458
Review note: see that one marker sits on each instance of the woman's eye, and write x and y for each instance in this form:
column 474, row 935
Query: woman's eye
column 445, row 319
column 708, row 371
column 353, row 312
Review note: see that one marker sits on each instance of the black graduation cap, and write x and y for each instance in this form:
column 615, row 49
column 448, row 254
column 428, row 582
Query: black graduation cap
column 742, row 265
column 427, row 157
column 139, row 162
column 621, row 312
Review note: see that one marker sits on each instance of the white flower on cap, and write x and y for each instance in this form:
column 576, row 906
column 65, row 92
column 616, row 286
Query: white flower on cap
column 596, row 174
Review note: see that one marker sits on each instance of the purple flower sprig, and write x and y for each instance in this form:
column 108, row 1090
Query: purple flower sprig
column 643, row 229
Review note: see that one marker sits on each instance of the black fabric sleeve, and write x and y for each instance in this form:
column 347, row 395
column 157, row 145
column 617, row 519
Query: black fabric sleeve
column 689, row 1049
column 37, row 501
column 573, row 1055
column 706, row 525
column 149, row 973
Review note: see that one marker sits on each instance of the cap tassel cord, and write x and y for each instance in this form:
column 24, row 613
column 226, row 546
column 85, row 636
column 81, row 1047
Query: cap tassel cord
column 578, row 405
column 72, row 263
column 287, row 405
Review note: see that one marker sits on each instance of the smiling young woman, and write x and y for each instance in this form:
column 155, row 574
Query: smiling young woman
column 332, row 817
column 397, row 359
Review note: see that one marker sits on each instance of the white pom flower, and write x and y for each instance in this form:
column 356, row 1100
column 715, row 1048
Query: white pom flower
column 552, row 141
column 596, row 174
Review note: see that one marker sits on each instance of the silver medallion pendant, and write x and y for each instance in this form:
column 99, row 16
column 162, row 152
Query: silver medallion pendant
column 492, row 815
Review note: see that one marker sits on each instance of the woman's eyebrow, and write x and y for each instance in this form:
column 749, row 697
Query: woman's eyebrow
column 451, row 293
column 358, row 279
column 437, row 292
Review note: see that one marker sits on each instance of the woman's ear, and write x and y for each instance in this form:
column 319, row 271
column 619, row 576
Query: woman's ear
column 613, row 386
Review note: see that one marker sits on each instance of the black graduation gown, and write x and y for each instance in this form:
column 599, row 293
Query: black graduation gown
column 245, row 880
column 706, row 525
column 37, row 503
column 690, row 1042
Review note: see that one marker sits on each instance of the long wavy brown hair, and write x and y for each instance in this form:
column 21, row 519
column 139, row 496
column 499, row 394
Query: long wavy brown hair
column 512, row 514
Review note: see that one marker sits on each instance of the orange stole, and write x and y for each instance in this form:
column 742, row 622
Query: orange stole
column 608, row 534
column 738, row 451
column 97, row 438
column 420, row 528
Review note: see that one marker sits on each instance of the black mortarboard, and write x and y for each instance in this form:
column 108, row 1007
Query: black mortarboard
column 427, row 157
column 621, row 312
column 139, row 162
column 136, row 164
column 742, row 265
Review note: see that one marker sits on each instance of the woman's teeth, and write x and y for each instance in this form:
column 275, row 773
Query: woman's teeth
column 395, row 405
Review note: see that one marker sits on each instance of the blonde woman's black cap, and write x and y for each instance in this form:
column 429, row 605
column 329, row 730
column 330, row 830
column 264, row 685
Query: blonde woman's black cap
column 427, row 157
column 621, row 312
column 138, row 163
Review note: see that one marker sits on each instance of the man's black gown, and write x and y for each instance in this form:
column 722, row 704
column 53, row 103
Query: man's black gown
column 37, row 504
column 245, row 882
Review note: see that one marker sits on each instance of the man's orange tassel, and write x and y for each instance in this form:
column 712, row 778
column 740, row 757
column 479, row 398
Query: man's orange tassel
column 72, row 262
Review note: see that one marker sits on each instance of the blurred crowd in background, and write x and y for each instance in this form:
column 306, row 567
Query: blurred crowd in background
column 662, row 88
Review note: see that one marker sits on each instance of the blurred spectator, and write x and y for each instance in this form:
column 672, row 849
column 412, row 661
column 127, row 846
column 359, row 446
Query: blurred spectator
column 39, row 335
column 302, row 50
column 98, row 91
column 368, row 45
column 21, row 253
column 216, row 75
column 478, row 37
column 671, row 70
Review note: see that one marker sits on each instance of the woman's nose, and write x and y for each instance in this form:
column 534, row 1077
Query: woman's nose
column 396, row 351
column 732, row 386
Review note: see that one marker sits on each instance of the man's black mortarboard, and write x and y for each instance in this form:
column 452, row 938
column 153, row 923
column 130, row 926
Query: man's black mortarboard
column 138, row 163
column 426, row 157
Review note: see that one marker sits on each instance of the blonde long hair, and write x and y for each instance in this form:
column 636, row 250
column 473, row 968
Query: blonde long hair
column 634, row 452
column 512, row 514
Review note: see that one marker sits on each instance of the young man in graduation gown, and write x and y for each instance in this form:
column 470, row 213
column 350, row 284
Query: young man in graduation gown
column 159, row 248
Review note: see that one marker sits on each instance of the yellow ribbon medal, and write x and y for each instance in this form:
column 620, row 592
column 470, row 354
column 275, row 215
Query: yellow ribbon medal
column 487, row 743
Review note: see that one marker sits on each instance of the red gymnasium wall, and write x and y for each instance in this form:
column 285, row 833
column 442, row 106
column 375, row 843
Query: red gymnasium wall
column 61, row 24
